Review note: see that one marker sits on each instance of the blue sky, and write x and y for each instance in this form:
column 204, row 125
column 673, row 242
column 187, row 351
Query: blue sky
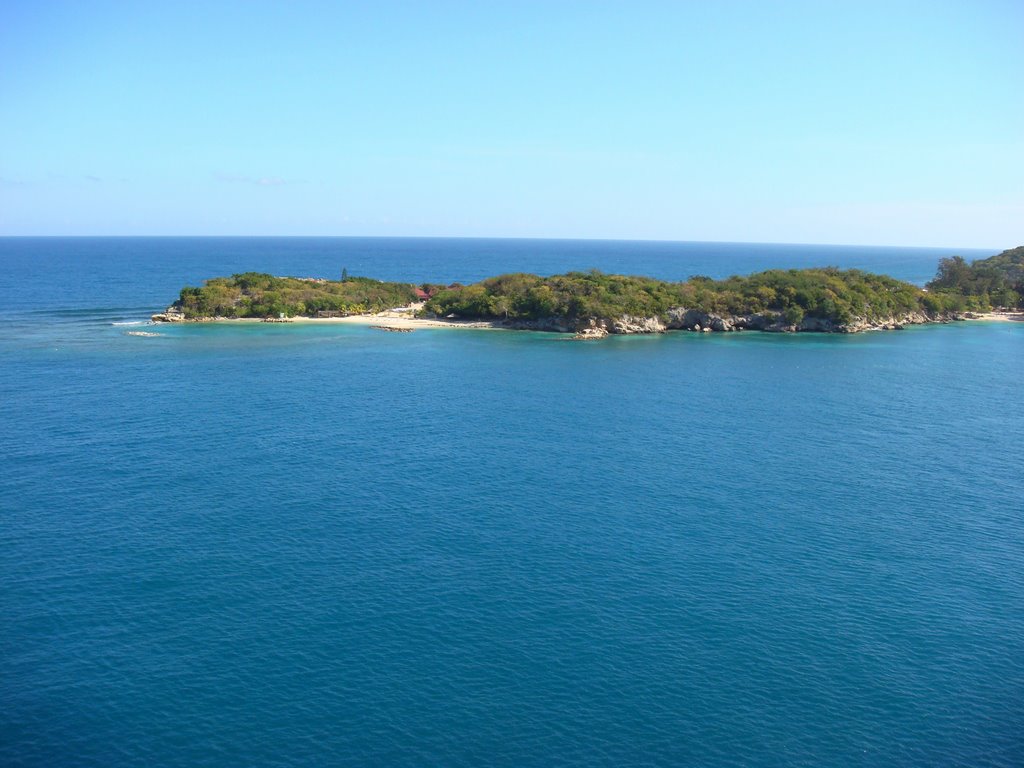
column 897, row 123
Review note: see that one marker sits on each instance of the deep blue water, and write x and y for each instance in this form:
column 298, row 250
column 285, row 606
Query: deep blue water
column 285, row 545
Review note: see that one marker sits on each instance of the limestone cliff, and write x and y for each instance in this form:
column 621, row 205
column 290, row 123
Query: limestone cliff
column 683, row 319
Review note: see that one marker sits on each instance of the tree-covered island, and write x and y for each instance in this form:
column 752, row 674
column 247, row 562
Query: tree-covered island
column 594, row 304
column 259, row 295
column 995, row 282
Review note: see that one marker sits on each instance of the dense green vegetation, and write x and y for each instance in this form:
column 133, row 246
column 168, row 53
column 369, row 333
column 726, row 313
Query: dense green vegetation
column 997, row 281
column 829, row 293
column 255, row 294
column 841, row 296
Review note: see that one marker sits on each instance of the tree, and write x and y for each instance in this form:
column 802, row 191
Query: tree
column 502, row 305
column 952, row 273
column 794, row 315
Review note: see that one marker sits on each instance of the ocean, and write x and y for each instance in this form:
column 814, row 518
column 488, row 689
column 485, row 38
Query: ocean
column 325, row 545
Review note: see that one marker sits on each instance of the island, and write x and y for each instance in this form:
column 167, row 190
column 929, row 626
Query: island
column 594, row 304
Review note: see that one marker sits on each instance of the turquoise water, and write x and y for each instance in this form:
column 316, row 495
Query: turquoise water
column 287, row 545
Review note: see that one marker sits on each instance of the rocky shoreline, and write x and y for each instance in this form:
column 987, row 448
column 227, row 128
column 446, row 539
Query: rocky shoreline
column 677, row 319
column 681, row 319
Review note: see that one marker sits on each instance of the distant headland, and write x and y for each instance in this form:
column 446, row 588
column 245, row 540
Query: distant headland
column 593, row 304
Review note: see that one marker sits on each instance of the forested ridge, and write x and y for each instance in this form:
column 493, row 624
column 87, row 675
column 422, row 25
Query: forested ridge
column 256, row 294
column 997, row 281
column 831, row 294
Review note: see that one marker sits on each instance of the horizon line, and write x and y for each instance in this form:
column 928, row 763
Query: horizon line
column 505, row 237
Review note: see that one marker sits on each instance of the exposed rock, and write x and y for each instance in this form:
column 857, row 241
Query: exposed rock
column 633, row 324
column 681, row 318
column 591, row 333
column 591, row 328
column 170, row 315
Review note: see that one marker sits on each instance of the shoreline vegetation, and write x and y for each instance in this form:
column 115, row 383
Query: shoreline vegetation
column 592, row 304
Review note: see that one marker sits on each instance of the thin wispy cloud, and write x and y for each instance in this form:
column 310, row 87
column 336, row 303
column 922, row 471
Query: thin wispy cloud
column 257, row 181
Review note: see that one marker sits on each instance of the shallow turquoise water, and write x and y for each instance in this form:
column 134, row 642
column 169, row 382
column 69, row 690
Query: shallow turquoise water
column 307, row 545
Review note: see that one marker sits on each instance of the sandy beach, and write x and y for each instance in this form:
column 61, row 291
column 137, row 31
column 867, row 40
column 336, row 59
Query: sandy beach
column 400, row 318
column 397, row 318
column 1001, row 316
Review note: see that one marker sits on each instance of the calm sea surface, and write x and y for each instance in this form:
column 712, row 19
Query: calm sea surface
column 285, row 545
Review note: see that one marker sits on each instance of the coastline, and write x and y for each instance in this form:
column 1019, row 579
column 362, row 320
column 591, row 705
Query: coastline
column 594, row 304
column 403, row 319
column 1002, row 317
column 399, row 318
